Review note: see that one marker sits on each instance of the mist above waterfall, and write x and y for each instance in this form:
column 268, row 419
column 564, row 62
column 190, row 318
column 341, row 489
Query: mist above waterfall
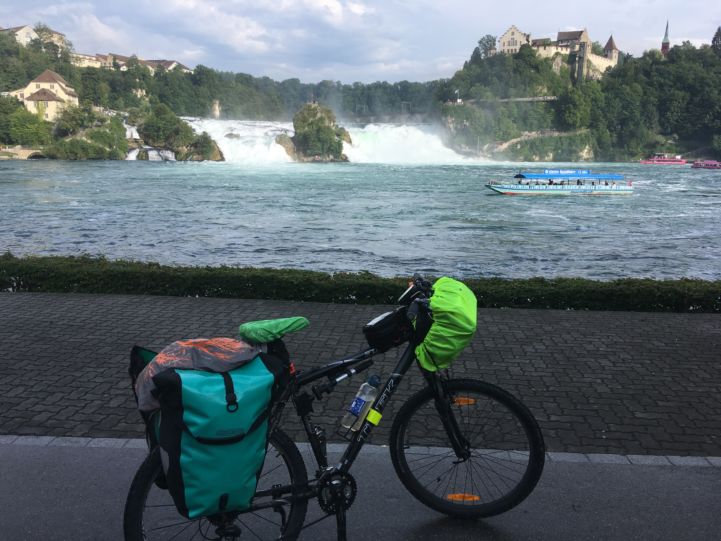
column 254, row 142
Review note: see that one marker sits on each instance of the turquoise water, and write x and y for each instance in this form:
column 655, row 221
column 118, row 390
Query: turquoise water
column 388, row 219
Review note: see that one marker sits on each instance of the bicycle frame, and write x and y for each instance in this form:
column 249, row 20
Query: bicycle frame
column 336, row 372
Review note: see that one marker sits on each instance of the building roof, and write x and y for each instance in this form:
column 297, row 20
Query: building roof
column 119, row 57
column 665, row 37
column 167, row 64
column 610, row 45
column 43, row 95
column 49, row 76
column 541, row 41
column 15, row 28
column 575, row 34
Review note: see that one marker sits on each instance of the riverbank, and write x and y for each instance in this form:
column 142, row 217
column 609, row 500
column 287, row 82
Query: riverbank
column 99, row 275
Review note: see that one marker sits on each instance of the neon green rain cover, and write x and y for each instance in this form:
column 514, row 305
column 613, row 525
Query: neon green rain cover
column 454, row 323
column 267, row 330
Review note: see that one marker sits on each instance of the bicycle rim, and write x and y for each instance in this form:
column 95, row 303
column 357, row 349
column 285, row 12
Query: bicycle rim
column 506, row 451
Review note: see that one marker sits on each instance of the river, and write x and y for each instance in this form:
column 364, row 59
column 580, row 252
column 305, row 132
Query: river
column 405, row 203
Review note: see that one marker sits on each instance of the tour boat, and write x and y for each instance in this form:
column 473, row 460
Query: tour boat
column 664, row 159
column 564, row 182
column 706, row 164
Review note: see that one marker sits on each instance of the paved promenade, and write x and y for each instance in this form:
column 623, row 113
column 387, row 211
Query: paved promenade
column 598, row 382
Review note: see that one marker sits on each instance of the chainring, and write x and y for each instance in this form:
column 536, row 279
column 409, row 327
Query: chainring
column 336, row 492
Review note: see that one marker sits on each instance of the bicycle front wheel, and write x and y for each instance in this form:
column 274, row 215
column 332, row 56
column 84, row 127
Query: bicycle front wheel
column 506, row 450
column 151, row 515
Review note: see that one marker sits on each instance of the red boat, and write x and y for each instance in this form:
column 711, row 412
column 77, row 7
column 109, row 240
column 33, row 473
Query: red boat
column 706, row 164
column 664, row 159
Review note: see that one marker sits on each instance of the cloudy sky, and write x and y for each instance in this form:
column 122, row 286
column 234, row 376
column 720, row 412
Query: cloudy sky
column 349, row 40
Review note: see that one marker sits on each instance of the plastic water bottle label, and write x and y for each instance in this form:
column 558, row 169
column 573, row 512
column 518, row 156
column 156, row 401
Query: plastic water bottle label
column 357, row 406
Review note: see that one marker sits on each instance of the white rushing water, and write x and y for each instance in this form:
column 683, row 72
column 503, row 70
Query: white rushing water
column 254, row 142
column 399, row 144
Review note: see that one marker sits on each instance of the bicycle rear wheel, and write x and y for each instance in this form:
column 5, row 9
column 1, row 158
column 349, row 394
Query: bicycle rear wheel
column 506, row 446
column 151, row 515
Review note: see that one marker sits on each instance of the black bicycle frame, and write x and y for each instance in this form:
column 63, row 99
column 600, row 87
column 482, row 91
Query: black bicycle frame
column 347, row 367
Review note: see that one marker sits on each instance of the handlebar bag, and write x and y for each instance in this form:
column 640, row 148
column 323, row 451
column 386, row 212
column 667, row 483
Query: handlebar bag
column 454, row 311
column 213, row 432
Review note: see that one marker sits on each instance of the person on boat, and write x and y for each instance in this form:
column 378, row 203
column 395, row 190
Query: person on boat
column 578, row 182
column 606, row 183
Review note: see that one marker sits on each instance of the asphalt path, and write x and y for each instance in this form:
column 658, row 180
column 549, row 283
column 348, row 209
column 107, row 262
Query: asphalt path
column 77, row 493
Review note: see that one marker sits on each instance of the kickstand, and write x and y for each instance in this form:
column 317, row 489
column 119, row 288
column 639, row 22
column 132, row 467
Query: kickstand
column 340, row 524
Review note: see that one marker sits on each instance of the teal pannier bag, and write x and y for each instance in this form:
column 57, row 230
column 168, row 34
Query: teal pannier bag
column 454, row 311
column 213, row 432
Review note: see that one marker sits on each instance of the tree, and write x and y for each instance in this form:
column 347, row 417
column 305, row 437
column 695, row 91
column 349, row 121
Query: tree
column 716, row 42
column 8, row 106
column 28, row 129
column 486, row 45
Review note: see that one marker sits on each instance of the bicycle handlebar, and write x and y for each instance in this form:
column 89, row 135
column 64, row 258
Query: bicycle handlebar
column 418, row 288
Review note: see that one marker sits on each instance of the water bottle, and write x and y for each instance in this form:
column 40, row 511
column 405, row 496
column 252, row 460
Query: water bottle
column 353, row 419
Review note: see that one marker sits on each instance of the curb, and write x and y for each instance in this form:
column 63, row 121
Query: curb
column 578, row 458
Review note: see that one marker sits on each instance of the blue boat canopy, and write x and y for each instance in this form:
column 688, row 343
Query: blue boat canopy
column 568, row 174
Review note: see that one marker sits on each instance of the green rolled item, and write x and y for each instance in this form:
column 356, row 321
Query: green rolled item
column 454, row 308
column 268, row 330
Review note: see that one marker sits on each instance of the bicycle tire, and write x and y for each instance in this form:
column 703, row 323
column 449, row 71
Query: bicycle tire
column 469, row 502
column 280, row 446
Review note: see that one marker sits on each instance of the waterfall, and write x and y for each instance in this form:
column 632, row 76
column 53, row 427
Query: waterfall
column 155, row 155
column 133, row 154
column 254, row 142
column 399, row 144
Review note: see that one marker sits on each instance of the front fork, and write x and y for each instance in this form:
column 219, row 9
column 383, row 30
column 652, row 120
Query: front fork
column 443, row 402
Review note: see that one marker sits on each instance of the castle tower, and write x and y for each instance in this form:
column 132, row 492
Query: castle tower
column 665, row 44
column 611, row 50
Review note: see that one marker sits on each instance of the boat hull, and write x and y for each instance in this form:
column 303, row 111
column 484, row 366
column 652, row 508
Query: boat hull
column 532, row 189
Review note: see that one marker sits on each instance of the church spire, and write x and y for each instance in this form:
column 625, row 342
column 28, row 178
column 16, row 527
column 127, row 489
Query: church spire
column 665, row 44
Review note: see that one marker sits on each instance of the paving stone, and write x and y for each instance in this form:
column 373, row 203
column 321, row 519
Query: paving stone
column 714, row 461
column 7, row 439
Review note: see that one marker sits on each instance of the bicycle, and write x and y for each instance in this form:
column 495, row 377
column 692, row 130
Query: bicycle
column 463, row 447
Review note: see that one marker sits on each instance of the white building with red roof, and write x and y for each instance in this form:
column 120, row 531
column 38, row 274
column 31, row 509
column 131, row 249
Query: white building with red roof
column 49, row 93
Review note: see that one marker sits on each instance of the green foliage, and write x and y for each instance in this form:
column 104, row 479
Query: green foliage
column 162, row 128
column 106, row 142
column 486, row 46
column 98, row 275
column 564, row 148
column 716, row 143
column 476, row 125
column 8, row 106
column 77, row 149
column 316, row 133
column 597, row 49
column 29, row 129
column 73, row 119
column 716, row 42
column 204, row 146
column 643, row 105
column 523, row 74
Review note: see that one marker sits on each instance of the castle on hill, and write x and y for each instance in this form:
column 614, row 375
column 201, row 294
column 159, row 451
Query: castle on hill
column 576, row 44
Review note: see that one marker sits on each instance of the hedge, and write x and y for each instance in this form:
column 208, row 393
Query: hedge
column 98, row 275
